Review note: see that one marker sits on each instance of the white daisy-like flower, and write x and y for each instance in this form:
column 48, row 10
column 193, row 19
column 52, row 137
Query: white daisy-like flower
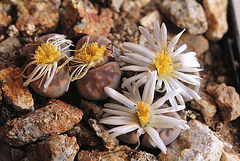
column 45, row 60
column 141, row 113
column 175, row 69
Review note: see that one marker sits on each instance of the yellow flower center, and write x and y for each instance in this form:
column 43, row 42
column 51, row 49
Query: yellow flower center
column 46, row 53
column 90, row 52
column 143, row 112
column 163, row 63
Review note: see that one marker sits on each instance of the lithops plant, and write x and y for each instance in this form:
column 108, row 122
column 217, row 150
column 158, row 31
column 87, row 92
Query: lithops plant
column 143, row 116
column 45, row 55
column 91, row 68
column 175, row 69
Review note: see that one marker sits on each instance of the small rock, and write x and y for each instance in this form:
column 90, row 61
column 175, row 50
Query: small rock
column 121, row 153
column 198, row 143
column 229, row 157
column 91, row 110
column 196, row 43
column 12, row 31
column 149, row 20
column 4, row 16
column 228, row 101
column 216, row 13
column 82, row 18
column 85, row 136
column 56, row 117
column 222, row 79
column 211, row 88
column 9, row 45
column 102, row 133
column 116, row 4
column 133, row 7
column 14, row 92
column 186, row 14
column 207, row 106
column 36, row 17
column 55, row 147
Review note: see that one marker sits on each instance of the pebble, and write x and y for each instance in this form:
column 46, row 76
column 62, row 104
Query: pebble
column 14, row 92
column 216, row 13
column 229, row 157
column 86, row 137
column 149, row 20
column 55, row 147
column 185, row 14
column 227, row 100
column 198, row 143
column 55, row 118
column 83, row 18
column 121, row 153
column 207, row 106
column 9, row 45
column 101, row 132
column 36, row 17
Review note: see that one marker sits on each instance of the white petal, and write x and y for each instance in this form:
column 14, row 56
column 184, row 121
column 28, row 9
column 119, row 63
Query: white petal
column 119, row 107
column 174, row 41
column 116, row 120
column 134, row 68
column 174, row 85
column 138, row 57
column 117, row 112
column 149, row 88
column 125, row 128
column 119, row 97
column 166, row 97
column 157, row 35
column 139, row 83
column 189, row 90
column 169, row 109
column 149, row 38
column 172, row 100
column 161, row 121
column 154, row 135
column 128, row 81
column 134, row 61
column 159, row 84
column 188, row 78
column 188, row 69
column 179, row 50
column 163, row 36
column 135, row 48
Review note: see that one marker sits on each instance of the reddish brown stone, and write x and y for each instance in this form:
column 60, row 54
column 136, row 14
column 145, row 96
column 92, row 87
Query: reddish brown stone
column 56, row 117
column 227, row 99
column 91, row 110
column 102, row 133
column 4, row 16
column 55, row 147
column 207, row 106
column 82, row 18
column 14, row 92
column 121, row 153
column 86, row 137
column 36, row 16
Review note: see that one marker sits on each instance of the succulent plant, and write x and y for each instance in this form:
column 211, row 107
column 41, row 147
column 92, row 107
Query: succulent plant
column 91, row 68
column 42, row 72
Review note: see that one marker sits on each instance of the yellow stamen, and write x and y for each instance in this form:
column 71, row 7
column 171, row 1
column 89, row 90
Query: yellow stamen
column 143, row 112
column 163, row 63
column 90, row 53
column 46, row 53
